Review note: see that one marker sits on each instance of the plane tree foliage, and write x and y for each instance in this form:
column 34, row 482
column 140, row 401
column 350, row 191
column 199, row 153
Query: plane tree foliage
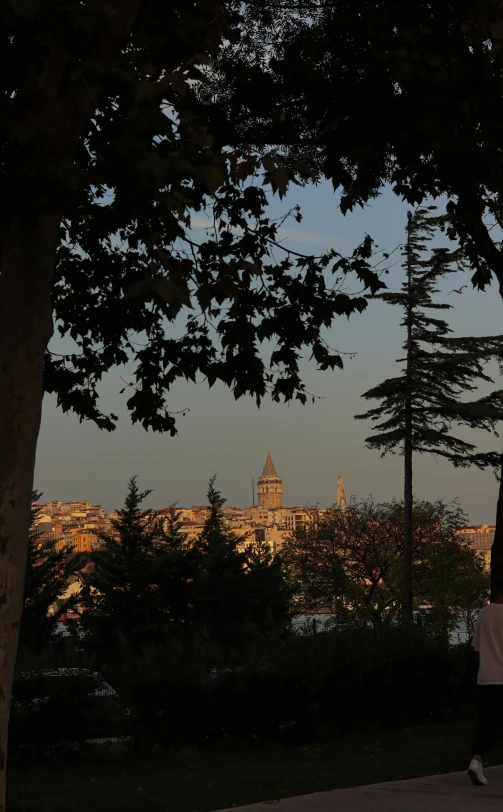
column 106, row 156
column 408, row 95
column 108, row 150
column 368, row 94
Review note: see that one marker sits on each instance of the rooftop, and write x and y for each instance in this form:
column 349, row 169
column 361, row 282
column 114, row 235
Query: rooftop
column 269, row 469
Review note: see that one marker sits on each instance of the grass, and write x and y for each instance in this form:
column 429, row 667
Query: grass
column 200, row 782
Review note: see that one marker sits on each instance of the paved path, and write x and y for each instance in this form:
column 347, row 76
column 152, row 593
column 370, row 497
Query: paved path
column 442, row 793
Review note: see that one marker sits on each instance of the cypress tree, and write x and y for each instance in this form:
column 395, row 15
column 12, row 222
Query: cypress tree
column 419, row 407
column 48, row 573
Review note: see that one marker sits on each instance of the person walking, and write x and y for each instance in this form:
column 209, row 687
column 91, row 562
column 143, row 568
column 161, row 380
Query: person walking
column 488, row 642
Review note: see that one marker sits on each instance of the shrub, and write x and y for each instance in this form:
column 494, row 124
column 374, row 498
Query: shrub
column 292, row 690
column 297, row 690
column 59, row 712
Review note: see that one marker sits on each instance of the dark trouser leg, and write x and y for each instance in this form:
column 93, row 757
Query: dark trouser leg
column 490, row 703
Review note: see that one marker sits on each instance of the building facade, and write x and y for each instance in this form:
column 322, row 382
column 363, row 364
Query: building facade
column 480, row 537
column 270, row 486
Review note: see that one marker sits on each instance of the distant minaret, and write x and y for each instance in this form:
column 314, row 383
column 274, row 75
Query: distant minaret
column 341, row 498
column 270, row 486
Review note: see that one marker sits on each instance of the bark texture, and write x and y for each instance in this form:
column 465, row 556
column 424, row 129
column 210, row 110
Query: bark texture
column 27, row 261
column 56, row 123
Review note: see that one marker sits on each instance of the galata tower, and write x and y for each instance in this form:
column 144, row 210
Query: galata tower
column 270, row 486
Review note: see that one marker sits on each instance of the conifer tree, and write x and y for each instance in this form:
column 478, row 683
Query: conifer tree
column 270, row 593
column 123, row 587
column 178, row 565
column 420, row 406
column 221, row 591
column 240, row 587
column 48, row 574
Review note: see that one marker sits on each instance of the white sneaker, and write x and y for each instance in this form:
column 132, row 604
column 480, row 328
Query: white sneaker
column 476, row 773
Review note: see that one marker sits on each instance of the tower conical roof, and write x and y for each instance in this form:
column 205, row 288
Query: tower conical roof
column 269, row 469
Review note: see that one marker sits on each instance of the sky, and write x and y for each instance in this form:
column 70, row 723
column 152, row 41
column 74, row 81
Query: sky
column 309, row 444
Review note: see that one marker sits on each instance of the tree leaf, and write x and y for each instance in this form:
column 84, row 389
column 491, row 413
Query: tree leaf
column 140, row 288
column 213, row 176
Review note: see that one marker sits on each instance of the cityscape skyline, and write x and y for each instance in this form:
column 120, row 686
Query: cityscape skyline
column 267, row 493
column 79, row 523
column 310, row 443
column 237, row 492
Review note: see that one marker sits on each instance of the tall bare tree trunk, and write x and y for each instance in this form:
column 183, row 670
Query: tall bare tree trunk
column 27, row 262
column 407, row 613
column 407, row 530
column 497, row 546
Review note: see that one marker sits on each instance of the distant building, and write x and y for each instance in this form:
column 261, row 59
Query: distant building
column 270, row 486
column 79, row 523
column 83, row 541
column 258, row 515
column 480, row 537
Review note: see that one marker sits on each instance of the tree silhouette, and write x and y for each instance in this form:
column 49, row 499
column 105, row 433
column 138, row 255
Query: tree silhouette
column 49, row 571
column 220, row 595
column 365, row 95
column 349, row 560
column 127, row 594
column 240, row 588
column 419, row 407
column 106, row 153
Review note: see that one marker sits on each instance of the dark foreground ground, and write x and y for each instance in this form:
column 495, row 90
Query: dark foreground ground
column 200, row 782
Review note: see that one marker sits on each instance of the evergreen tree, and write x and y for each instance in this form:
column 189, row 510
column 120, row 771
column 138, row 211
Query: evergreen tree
column 270, row 594
column 240, row 588
column 222, row 605
column 48, row 574
column 178, row 564
column 124, row 598
column 420, row 406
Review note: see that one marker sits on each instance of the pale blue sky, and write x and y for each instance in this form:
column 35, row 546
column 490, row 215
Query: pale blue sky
column 309, row 444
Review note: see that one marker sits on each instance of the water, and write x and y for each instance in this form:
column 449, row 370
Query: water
column 312, row 624
column 460, row 635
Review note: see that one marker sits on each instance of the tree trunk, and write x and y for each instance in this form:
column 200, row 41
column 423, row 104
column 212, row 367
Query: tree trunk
column 407, row 533
column 407, row 614
column 27, row 262
column 497, row 546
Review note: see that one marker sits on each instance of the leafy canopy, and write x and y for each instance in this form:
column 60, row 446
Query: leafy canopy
column 350, row 559
column 100, row 121
column 367, row 94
